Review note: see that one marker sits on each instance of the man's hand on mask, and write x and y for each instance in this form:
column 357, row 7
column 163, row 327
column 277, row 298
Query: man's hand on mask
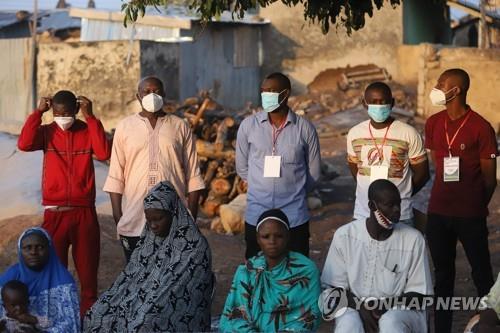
column 45, row 104
column 85, row 106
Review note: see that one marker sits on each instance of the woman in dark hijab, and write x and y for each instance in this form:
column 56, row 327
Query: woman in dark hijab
column 167, row 285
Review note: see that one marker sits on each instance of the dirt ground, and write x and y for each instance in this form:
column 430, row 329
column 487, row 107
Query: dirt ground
column 228, row 251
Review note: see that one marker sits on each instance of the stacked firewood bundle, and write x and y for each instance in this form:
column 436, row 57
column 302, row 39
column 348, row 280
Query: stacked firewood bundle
column 215, row 129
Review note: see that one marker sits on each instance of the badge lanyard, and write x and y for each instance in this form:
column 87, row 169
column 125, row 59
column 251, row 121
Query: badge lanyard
column 276, row 133
column 450, row 143
column 381, row 149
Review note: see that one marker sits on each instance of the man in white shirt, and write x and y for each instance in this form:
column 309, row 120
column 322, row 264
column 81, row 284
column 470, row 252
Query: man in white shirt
column 380, row 259
column 385, row 148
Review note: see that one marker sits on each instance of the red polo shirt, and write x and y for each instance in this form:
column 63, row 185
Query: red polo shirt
column 475, row 141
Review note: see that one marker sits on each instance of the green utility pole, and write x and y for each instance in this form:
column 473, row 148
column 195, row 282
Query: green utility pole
column 426, row 21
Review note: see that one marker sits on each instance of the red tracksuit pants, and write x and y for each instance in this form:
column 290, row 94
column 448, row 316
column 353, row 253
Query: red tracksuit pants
column 79, row 228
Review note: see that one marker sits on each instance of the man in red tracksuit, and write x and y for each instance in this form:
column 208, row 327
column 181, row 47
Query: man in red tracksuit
column 68, row 181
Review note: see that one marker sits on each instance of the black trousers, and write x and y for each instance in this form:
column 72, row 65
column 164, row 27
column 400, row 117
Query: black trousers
column 299, row 240
column 442, row 234
column 129, row 244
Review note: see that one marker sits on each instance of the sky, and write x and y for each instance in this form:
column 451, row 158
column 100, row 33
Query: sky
column 50, row 4
column 110, row 4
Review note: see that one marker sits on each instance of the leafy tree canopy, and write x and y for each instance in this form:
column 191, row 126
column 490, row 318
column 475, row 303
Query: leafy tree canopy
column 347, row 13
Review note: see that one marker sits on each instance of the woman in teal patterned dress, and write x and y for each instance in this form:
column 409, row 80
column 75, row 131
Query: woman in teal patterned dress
column 277, row 290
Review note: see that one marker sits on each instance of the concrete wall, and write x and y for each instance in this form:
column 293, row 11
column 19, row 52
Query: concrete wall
column 302, row 51
column 101, row 71
column 16, row 72
column 482, row 66
column 98, row 70
column 162, row 60
column 408, row 61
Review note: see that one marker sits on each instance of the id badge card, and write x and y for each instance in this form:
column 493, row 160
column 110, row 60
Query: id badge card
column 451, row 169
column 272, row 166
column 379, row 172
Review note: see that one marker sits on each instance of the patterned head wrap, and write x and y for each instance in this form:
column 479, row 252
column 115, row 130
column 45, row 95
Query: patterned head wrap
column 163, row 196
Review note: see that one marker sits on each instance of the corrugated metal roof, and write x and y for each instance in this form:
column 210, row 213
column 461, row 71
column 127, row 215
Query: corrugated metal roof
column 179, row 13
column 58, row 20
column 99, row 30
column 162, row 24
column 8, row 18
column 226, row 16
column 47, row 20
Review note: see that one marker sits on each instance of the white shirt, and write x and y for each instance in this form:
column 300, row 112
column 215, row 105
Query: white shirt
column 371, row 268
column 403, row 146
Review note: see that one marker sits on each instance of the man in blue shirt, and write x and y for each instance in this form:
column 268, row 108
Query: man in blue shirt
column 278, row 155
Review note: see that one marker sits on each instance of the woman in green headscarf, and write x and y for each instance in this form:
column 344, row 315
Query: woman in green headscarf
column 278, row 289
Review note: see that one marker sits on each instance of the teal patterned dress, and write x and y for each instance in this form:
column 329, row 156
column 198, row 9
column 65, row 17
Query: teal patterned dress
column 284, row 298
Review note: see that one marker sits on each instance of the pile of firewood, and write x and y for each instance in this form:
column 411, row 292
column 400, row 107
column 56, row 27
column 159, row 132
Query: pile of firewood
column 215, row 130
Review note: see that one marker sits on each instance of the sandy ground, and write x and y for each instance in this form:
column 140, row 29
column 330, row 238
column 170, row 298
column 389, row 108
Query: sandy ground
column 227, row 251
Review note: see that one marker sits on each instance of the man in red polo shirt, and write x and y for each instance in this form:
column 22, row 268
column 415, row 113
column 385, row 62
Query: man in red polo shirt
column 464, row 148
column 68, row 181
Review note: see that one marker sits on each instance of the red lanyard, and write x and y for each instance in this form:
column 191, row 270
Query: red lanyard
column 450, row 143
column 276, row 133
column 381, row 149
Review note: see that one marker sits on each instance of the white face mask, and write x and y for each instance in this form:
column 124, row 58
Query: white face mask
column 64, row 122
column 152, row 102
column 438, row 97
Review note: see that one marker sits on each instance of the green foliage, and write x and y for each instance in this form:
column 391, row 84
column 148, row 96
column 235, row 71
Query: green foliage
column 347, row 13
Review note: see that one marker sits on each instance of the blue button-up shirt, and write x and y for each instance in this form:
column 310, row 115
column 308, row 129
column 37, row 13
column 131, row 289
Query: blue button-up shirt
column 298, row 146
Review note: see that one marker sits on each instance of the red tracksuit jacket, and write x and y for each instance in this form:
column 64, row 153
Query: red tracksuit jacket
column 68, row 170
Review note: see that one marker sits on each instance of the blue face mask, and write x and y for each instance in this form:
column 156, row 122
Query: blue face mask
column 270, row 100
column 379, row 113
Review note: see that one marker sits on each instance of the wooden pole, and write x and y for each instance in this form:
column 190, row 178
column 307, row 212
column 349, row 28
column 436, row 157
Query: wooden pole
column 33, row 53
column 484, row 36
column 199, row 113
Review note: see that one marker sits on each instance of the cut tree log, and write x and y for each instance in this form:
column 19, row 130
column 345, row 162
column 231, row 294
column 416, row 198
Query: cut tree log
column 232, row 215
column 191, row 101
column 209, row 131
column 210, row 172
column 234, row 190
column 220, row 140
column 227, row 169
column 199, row 113
column 220, row 187
column 217, row 226
column 207, row 149
column 211, row 205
